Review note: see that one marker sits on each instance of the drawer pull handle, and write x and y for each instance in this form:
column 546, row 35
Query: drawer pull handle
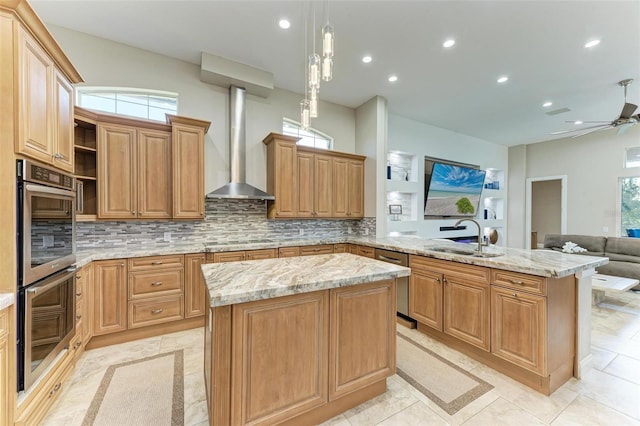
column 77, row 345
column 156, row 283
column 156, row 262
column 55, row 389
column 157, row 311
column 512, row 281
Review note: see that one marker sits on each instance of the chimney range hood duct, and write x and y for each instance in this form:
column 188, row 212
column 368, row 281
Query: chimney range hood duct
column 238, row 188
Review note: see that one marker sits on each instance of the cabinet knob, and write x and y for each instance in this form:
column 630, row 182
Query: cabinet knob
column 122, row 264
column 157, row 311
column 79, row 294
column 515, row 295
column 133, row 212
column 78, row 276
column 78, row 317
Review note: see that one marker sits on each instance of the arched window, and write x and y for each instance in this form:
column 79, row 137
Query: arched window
column 141, row 103
column 310, row 137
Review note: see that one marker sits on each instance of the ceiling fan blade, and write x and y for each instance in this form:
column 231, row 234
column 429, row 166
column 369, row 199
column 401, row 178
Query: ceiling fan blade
column 579, row 130
column 592, row 131
column 628, row 110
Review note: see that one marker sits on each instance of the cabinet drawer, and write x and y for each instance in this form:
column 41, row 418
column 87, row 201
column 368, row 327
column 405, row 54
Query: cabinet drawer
column 479, row 274
column 145, row 284
column 366, row 251
column 321, row 249
column 155, row 310
column 340, row 248
column 288, row 251
column 260, row 254
column 230, row 256
column 155, row 262
column 521, row 282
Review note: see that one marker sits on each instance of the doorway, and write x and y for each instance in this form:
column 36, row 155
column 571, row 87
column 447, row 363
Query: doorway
column 546, row 208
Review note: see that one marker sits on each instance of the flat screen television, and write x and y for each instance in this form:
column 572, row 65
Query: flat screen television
column 452, row 190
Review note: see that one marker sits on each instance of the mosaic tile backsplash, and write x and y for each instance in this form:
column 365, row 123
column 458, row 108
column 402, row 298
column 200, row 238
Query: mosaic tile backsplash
column 225, row 221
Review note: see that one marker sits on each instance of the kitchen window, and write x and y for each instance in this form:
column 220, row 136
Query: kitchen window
column 309, row 137
column 630, row 206
column 141, row 103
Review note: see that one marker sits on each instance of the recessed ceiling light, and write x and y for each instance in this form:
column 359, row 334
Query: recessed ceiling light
column 284, row 24
column 366, row 59
column 393, row 78
column 577, row 122
column 503, row 79
column 449, row 43
column 547, row 104
column 592, row 43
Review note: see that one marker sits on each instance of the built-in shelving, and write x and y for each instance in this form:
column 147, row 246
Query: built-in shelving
column 85, row 166
column 493, row 205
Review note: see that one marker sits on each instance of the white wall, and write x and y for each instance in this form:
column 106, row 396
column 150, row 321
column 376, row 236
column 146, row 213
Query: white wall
column 593, row 164
column 424, row 140
column 105, row 63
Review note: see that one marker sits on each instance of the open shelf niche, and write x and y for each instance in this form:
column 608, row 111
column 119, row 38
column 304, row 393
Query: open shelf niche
column 85, row 165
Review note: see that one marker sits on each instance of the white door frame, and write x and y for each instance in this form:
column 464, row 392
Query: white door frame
column 563, row 205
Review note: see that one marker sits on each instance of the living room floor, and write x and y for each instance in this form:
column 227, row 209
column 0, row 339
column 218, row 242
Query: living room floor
column 609, row 394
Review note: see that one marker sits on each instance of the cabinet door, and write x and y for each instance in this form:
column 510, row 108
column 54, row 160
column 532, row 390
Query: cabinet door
column 288, row 251
column 340, row 204
column 466, row 311
column 117, row 183
column 425, row 298
column 363, row 336
column 285, row 179
column 188, row 172
column 519, row 328
column 271, row 339
column 154, row 174
column 194, row 287
column 356, row 189
column 63, row 130
column 323, row 185
column 7, row 386
column 34, row 139
column 305, row 185
column 109, row 297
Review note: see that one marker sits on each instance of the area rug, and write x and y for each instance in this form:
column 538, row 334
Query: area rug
column 148, row 391
column 443, row 382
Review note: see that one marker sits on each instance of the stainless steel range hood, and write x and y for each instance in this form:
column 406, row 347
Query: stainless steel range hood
column 238, row 188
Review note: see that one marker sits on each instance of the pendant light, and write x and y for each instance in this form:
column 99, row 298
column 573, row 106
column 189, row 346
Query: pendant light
column 327, row 46
column 314, row 58
column 305, row 113
column 313, row 102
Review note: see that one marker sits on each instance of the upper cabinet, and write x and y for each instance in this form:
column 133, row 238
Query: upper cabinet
column 40, row 77
column 139, row 169
column 312, row 183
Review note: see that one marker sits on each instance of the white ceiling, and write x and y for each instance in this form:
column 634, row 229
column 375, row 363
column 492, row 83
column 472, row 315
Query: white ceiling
column 538, row 44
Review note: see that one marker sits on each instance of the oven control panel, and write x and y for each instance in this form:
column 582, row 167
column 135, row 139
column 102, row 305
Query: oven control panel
column 36, row 173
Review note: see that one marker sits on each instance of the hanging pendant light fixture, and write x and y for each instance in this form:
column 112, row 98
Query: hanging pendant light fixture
column 314, row 58
column 313, row 102
column 305, row 113
column 327, row 46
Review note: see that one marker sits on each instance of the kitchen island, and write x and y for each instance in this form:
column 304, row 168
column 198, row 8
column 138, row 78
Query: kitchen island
column 297, row 340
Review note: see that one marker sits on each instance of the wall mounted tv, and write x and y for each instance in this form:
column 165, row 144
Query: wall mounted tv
column 451, row 189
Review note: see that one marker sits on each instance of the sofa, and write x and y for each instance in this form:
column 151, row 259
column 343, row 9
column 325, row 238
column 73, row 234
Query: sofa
column 623, row 253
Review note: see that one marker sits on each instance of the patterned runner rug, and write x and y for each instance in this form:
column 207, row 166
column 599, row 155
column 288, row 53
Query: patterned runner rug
column 148, row 391
column 443, row 382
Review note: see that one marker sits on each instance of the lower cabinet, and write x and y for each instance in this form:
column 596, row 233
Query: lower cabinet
column 425, row 303
column 109, row 296
column 236, row 256
column 299, row 358
column 7, row 386
column 319, row 249
column 288, row 251
column 467, row 313
column 194, row 286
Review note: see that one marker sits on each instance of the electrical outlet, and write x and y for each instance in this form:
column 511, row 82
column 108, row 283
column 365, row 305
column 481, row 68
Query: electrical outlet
column 167, row 237
column 47, row 241
column 349, row 230
column 605, row 229
column 301, row 231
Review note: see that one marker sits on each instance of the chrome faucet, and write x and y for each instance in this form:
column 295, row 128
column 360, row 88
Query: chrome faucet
column 480, row 243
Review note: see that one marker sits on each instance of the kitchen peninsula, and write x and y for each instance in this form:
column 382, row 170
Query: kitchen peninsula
column 298, row 339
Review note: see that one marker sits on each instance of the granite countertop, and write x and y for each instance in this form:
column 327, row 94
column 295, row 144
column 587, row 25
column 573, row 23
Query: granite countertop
column 6, row 300
column 239, row 282
column 535, row 262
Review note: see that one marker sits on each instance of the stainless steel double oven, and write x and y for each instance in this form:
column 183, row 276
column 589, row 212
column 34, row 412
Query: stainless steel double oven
column 46, row 280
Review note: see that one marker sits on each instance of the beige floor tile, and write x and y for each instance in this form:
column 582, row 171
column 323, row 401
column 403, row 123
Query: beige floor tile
column 503, row 412
column 339, row 420
column 416, row 414
column 601, row 357
column 372, row 412
column 584, row 411
column 626, row 368
column 618, row 344
column 615, row 393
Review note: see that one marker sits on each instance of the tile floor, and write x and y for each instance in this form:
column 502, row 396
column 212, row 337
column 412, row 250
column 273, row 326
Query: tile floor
column 608, row 395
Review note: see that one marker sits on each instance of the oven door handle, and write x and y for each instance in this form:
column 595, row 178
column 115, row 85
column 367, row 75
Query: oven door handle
column 48, row 190
column 49, row 285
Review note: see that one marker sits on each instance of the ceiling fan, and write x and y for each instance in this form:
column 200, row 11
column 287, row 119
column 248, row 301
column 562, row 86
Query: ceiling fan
column 622, row 123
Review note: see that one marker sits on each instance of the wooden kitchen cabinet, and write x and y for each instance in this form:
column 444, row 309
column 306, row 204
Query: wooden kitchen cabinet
column 319, row 249
column 288, row 251
column 45, row 117
column 194, row 285
column 348, row 187
column 260, row 254
column 85, row 159
column 282, row 172
column 236, row 256
column 134, row 169
column 452, row 298
column 314, row 184
column 310, row 182
column 187, row 145
column 109, row 296
column 84, row 285
column 7, row 386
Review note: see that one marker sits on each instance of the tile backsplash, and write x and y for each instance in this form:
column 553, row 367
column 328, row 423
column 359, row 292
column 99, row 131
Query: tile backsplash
column 225, row 221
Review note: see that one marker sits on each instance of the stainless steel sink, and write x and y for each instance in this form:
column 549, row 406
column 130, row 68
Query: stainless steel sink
column 462, row 252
